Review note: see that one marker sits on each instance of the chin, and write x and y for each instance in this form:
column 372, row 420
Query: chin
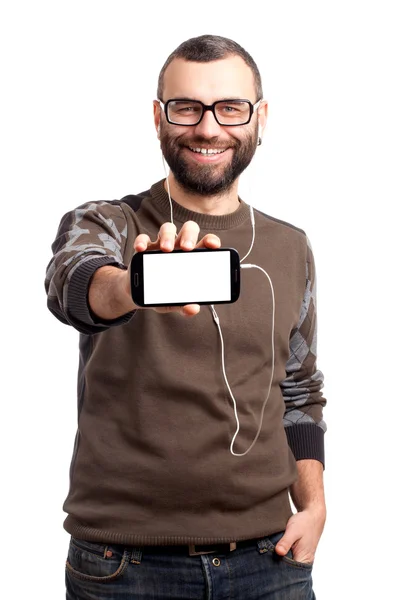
column 204, row 186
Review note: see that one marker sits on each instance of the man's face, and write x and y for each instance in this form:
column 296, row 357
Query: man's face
column 210, row 174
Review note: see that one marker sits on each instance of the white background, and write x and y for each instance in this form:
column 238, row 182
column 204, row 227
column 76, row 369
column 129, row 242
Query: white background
column 78, row 80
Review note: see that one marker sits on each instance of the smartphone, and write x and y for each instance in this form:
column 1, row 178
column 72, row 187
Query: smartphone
column 199, row 276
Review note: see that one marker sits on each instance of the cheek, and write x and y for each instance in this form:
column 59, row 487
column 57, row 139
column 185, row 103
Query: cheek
column 242, row 138
column 174, row 139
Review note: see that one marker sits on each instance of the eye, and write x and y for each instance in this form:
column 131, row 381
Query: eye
column 185, row 107
column 232, row 108
column 229, row 108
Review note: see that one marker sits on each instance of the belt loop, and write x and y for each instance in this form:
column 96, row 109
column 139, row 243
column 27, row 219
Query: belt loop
column 136, row 555
column 263, row 545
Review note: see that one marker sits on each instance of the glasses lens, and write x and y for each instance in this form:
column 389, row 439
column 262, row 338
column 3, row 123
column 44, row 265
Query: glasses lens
column 232, row 112
column 184, row 112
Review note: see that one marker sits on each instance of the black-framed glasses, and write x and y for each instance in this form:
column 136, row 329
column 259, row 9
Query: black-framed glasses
column 229, row 113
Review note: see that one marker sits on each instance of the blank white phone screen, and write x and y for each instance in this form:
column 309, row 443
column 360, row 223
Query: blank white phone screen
column 188, row 277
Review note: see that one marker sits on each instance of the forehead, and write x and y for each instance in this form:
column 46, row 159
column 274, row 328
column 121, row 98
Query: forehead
column 226, row 78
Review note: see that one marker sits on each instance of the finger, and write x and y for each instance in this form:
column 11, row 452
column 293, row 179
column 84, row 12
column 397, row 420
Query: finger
column 166, row 237
column 209, row 241
column 189, row 310
column 141, row 242
column 188, row 236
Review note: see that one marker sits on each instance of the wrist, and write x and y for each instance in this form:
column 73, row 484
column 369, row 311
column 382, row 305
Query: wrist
column 109, row 293
column 317, row 509
column 123, row 291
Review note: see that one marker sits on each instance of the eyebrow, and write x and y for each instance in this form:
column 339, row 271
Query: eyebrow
column 197, row 100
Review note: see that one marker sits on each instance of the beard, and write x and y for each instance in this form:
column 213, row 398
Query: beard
column 203, row 179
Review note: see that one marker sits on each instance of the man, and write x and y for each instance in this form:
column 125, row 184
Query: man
column 158, row 506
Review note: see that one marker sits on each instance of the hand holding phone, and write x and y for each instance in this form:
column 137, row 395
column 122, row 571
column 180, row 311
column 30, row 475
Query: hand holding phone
column 167, row 241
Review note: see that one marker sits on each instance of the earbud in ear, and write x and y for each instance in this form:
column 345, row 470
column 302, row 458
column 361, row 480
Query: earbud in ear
column 158, row 132
column 259, row 136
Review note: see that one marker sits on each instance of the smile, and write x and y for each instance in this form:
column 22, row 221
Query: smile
column 206, row 150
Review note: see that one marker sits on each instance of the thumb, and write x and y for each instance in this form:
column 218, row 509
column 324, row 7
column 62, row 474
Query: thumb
column 285, row 543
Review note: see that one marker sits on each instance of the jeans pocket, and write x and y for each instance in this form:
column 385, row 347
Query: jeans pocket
column 91, row 561
column 270, row 542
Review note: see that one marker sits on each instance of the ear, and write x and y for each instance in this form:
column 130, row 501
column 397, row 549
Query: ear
column 262, row 118
column 157, row 116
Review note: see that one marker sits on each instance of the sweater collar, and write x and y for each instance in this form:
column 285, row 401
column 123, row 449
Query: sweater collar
column 182, row 214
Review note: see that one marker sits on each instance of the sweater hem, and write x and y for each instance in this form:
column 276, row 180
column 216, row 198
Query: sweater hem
column 271, row 518
column 105, row 536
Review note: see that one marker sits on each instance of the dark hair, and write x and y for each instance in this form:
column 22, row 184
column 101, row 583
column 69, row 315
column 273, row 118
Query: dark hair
column 207, row 48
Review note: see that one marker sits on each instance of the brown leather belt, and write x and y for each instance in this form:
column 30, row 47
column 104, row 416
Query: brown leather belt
column 197, row 549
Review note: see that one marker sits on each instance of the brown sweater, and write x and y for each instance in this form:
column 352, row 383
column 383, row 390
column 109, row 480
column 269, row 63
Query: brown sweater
column 152, row 461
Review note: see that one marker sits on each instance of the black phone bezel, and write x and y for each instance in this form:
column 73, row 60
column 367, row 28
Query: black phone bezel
column 137, row 280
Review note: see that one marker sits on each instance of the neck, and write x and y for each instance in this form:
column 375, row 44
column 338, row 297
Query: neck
column 222, row 204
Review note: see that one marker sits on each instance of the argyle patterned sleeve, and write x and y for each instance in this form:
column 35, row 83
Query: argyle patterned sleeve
column 89, row 237
column 302, row 386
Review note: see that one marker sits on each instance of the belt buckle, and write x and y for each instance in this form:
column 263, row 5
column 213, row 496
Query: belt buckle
column 194, row 552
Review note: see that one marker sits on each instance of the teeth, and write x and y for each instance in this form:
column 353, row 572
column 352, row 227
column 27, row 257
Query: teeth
column 207, row 150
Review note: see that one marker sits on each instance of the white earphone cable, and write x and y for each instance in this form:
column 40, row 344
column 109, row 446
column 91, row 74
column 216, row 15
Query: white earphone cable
column 169, row 191
column 216, row 319
column 253, row 226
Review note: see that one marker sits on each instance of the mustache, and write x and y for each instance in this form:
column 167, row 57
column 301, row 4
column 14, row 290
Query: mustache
column 214, row 143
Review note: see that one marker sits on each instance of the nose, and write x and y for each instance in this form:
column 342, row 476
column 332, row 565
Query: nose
column 208, row 126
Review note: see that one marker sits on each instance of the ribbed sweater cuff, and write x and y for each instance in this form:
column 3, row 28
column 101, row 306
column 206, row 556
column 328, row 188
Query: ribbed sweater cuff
column 306, row 441
column 78, row 305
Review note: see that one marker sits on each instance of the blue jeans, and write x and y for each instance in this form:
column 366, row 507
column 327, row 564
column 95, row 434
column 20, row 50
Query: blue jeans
column 251, row 572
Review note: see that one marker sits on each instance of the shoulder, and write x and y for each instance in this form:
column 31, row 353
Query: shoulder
column 284, row 226
column 283, row 234
column 288, row 243
column 134, row 201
